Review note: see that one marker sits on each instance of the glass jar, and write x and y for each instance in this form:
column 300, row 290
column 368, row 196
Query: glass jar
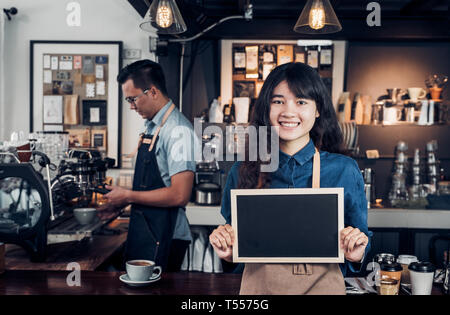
column 55, row 144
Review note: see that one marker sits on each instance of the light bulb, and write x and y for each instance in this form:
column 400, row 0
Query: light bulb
column 164, row 15
column 317, row 15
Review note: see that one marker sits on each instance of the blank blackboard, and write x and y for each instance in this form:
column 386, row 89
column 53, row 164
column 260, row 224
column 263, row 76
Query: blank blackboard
column 295, row 225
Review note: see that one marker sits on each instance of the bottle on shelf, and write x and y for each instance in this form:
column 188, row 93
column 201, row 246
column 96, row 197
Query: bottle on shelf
column 215, row 112
column 228, row 113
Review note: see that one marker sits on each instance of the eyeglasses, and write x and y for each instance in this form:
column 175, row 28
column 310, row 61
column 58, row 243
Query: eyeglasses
column 132, row 100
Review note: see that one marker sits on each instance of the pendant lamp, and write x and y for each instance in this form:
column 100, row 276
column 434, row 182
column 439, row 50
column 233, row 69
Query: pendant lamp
column 165, row 16
column 317, row 17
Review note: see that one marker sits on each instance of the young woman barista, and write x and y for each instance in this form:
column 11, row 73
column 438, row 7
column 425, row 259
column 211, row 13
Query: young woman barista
column 294, row 99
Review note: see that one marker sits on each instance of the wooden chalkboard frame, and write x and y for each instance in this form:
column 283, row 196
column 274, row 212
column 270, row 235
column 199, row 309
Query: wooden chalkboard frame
column 288, row 191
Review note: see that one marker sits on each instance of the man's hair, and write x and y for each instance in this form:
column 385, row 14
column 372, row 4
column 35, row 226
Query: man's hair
column 144, row 74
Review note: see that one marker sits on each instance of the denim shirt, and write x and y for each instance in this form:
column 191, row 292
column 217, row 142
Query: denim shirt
column 170, row 156
column 295, row 171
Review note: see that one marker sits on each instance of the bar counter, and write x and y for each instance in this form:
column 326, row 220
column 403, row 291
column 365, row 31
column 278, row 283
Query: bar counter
column 89, row 253
column 377, row 217
column 27, row 282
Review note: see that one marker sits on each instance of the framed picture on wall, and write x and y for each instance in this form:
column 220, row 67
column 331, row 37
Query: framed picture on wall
column 94, row 113
column 86, row 72
column 98, row 137
column 53, row 109
column 244, row 89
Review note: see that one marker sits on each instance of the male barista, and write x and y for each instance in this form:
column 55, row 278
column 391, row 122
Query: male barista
column 164, row 171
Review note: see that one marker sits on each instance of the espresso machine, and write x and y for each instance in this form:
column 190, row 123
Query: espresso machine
column 37, row 210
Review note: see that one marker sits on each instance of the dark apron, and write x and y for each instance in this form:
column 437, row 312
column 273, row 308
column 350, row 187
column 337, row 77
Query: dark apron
column 149, row 225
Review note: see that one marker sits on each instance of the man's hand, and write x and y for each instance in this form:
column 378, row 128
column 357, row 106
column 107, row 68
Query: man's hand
column 117, row 199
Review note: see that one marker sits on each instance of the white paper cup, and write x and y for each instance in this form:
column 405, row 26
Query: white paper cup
column 405, row 261
column 422, row 275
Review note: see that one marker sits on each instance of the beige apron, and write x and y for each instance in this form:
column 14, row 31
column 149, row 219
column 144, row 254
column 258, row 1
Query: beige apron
column 264, row 279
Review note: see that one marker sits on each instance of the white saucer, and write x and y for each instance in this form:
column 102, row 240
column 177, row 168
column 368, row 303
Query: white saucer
column 124, row 278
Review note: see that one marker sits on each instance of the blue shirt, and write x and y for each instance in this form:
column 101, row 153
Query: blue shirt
column 174, row 154
column 295, row 171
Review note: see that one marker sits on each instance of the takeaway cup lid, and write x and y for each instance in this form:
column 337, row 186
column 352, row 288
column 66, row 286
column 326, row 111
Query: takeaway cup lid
column 422, row 267
column 406, row 259
column 391, row 267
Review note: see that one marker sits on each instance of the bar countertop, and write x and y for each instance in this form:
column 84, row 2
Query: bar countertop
column 377, row 218
column 28, row 282
column 15, row 282
column 89, row 253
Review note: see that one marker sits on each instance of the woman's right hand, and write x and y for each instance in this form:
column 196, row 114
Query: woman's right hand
column 222, row 240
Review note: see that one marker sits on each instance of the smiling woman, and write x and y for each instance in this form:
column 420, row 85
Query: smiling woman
column 289, row 84
column 294, row 115
column 294, row 99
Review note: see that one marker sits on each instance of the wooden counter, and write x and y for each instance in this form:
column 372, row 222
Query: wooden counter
column 90, row 253
column 108, row 283
column 15, row 282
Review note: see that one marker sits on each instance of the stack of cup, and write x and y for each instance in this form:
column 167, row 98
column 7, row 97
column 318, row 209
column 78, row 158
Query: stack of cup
column 405, row 261
column 422, row 276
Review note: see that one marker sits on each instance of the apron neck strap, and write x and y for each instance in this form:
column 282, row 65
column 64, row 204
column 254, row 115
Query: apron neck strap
column 166, row 115
column 316, row 170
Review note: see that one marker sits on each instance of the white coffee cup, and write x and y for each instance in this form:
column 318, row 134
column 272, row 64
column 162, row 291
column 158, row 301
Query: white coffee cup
column 391, row 115
column 422, row 275
column 405, row 261
column 415, row 93
column 142, row 270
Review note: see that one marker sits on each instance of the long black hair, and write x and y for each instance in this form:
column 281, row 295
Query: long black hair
column 304, row 82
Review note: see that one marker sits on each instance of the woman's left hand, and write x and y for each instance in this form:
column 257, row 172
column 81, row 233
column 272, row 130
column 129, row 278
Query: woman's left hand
column 354, row 243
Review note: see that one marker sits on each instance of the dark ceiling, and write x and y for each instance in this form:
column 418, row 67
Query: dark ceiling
column 281, row 15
